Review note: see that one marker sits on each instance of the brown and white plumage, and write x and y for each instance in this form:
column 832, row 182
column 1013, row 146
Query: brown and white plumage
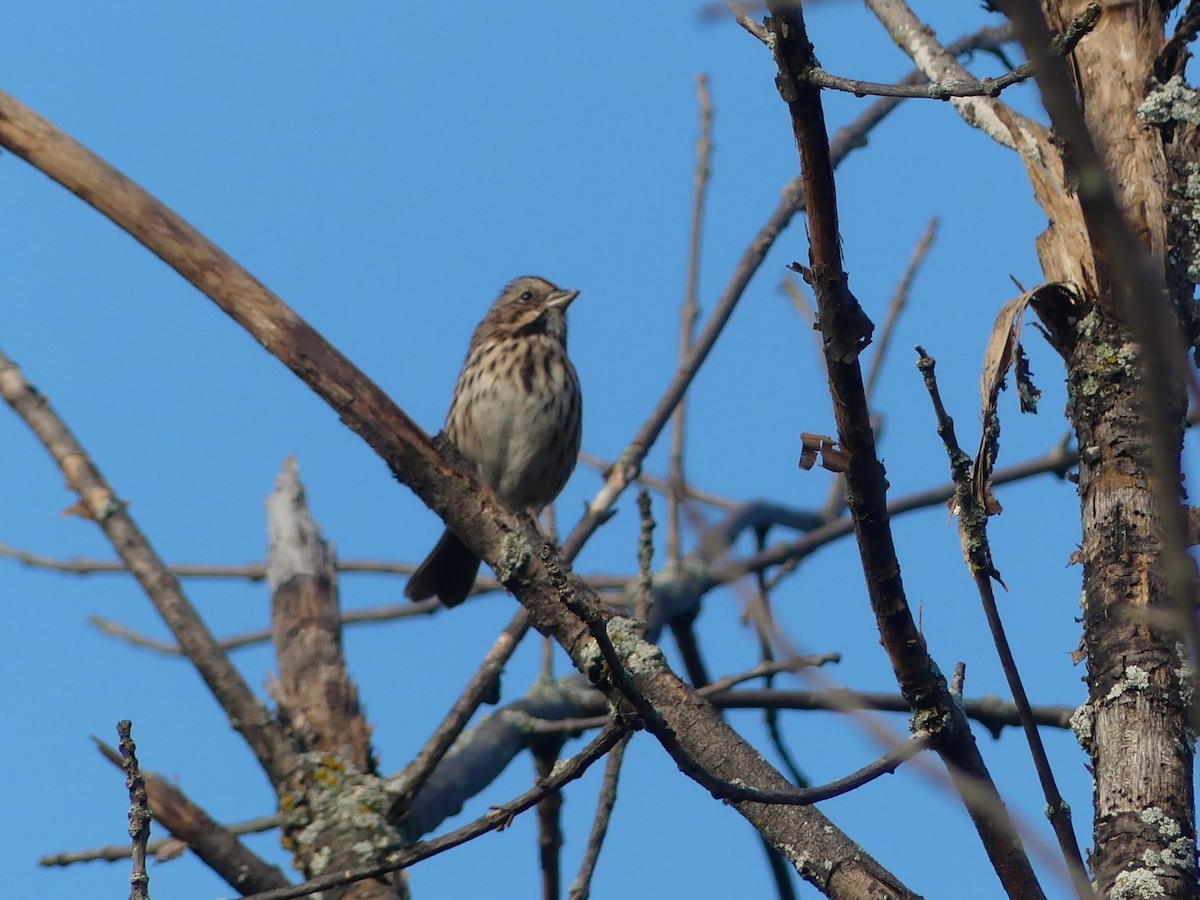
column 516, row 414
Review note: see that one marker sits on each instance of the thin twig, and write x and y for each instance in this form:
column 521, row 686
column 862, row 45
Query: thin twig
column 484, row 685
column 972, row 519
column 768, row 668
column 581, row 887
column 549, row 818
column 258, row 571
column 934, row 90
column 885, row 765
column 100, row 503
column 846, row 331
column 993, row 713
column 161, row 849
column 139, row 812
column 688, row 315
column 958, row 681
column 896, row 306
column 656, row 483
column 743, row 19
column 758, row 611
column 645, row 556
column 496, row 818
column 214, row 844
column 835, row 502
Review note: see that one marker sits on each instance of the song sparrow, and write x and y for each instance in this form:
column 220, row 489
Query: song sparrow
column 516, row 414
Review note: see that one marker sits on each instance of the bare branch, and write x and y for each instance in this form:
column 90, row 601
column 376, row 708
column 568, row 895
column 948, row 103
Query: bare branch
column 100, row 503
column 688, row 315
column 139, row 812
column 484, row 685
column 581, row 887
column 992, row 713
column 846, row 330
column 315, row 693
column 645, row 555
column 449, row 486
column 496, row 818
column 972, row 518
column 216, row 845
column 162, row 849
column 951, row 88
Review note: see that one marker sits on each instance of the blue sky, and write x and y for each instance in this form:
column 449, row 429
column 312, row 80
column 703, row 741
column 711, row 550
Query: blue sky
column 385, row 168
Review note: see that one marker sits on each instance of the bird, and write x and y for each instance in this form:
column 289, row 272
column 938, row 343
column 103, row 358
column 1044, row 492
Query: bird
column 516, row 414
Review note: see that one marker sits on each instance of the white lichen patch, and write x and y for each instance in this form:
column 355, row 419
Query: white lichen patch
column 347, row 805
column 591, row 659
column 1138, row 883
column 1184, row 675
column 637, row 654
column 1174, row 101
column 1135, row 679
column 1083, row 721
column 1166, row 826
column 1178, row 853
column 1181, row 854
column 514, row 553
column 319, row 861
column 928, row 722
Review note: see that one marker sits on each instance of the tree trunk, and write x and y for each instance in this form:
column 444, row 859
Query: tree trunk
column 1135, row 725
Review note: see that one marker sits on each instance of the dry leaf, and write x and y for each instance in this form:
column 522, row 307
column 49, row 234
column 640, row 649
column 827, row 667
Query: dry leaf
column 832, row 457
column 1003, row 350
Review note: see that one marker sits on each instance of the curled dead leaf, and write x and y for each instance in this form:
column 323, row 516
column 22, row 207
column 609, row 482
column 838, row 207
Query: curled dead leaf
column 832, row 457
column 1003, row 351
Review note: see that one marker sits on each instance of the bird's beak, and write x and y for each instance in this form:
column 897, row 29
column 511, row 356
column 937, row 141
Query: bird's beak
column 561, row 299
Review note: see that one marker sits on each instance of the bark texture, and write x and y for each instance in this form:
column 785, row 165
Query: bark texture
column 335, row 806
column 1135, row 725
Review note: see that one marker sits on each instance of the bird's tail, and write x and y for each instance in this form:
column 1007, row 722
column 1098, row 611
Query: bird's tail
column 447, row 573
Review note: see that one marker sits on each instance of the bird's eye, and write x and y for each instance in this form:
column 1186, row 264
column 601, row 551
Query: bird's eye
column 526, row 296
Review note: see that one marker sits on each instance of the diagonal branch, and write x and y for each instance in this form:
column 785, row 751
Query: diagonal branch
column 483, row 685
column 628, row 464
column 819, row 851
column 846, row 330
column 972, row 518
column 100, row 503
column 214, row 843
column 495, row 819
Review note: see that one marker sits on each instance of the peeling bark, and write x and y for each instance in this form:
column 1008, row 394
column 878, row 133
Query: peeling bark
column 1135, row 725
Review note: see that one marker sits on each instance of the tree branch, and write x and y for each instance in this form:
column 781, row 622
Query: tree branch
column 218, row 846
column 972, row 518
column 846, row 330
column 100, row 503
